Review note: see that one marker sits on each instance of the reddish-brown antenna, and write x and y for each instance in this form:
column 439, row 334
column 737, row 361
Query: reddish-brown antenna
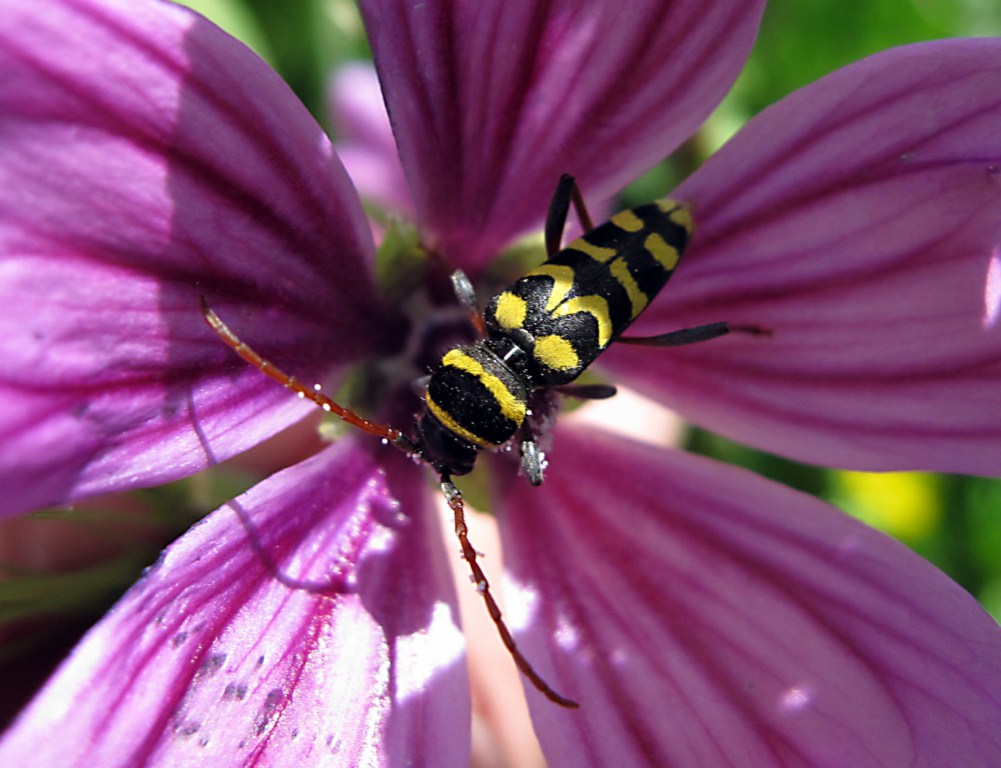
column 401, row 441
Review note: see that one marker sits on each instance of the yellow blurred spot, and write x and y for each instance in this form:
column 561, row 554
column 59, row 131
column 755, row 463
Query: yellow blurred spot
column 906, row 505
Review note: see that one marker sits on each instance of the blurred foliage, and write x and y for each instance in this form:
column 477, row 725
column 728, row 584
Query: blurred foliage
column 304, row 40
column 803, row 40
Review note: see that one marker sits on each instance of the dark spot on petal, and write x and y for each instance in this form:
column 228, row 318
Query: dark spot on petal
column 235, row 691
column 187, row 728
column 269, row 710
column 179, row 639
column 210, row 666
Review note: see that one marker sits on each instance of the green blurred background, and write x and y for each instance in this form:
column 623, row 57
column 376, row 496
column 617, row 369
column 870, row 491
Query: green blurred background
column 953, row 521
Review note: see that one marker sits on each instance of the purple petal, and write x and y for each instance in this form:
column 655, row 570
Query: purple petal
column 147, row 158
column 492, row 102
column 860, row 221
column 702, row 615
column 351, row 657
column 365, row 141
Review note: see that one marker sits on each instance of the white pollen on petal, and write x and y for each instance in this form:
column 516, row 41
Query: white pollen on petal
column 619, row 657
column 992, row 291
column 521, row 602
column 632, row 415
column 567, row 635
column 796, row 698
column 428, row 652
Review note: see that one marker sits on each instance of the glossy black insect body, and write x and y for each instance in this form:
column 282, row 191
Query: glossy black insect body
column 539, row 334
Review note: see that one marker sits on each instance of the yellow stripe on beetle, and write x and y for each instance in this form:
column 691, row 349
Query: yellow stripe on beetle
column 666, row 255
column 596, row 252
column 595, row 306
column 628, row 221
column 562, row 282
column 556, row 353
column 453, row 426
column 679, row 213
column 510, row 311
column 511, row 407
column 637, row 299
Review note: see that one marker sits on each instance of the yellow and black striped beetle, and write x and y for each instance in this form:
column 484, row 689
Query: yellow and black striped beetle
column 537, row 335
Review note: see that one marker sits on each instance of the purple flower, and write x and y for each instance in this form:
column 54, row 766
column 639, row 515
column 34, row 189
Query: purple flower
column 700, row 614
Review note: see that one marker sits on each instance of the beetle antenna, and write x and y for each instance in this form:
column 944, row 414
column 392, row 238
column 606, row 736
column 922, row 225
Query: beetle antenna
column 389, row 434
column 454, row 498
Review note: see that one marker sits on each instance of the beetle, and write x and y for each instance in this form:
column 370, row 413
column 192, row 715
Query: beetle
column 537, row 336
